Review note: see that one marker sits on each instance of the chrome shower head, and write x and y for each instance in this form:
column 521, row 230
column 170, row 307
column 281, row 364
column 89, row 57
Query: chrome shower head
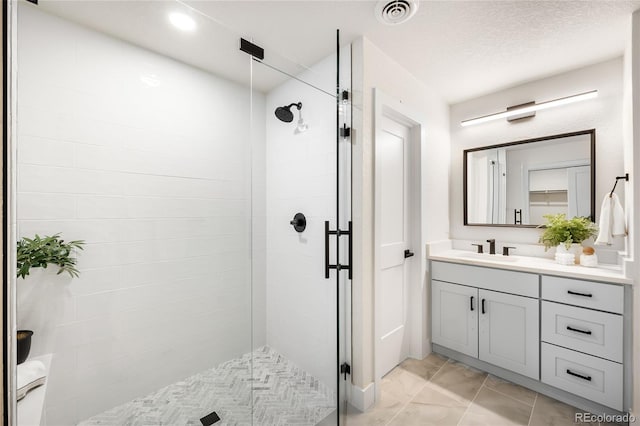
column 284, row 112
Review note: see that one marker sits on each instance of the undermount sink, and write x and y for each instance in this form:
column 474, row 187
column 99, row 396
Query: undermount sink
column 489, row 257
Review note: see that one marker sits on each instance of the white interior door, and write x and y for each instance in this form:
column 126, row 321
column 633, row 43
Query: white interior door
column 392, row 237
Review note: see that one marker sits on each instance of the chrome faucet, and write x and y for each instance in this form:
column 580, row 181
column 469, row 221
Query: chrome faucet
column 492, row 246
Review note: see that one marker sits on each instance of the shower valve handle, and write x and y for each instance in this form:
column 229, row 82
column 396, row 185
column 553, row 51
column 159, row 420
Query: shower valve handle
column 299, row 222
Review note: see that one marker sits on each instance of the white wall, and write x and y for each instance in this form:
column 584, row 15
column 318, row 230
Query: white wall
column 372, row 68
column 603, row 113
column 155, row 178
column 301, row 177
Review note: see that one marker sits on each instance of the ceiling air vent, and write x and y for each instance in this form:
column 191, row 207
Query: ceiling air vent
column 394, row 12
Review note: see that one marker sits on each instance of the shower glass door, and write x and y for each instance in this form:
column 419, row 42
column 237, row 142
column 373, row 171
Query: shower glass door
column 301, row 190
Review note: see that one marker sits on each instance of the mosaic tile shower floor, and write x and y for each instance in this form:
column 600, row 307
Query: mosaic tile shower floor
column 283, row 394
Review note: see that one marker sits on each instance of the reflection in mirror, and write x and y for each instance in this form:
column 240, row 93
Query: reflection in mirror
column 517, row 183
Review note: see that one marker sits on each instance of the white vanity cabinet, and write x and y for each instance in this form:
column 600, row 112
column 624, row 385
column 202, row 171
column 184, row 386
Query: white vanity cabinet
column 475, row 313
column 565, row 337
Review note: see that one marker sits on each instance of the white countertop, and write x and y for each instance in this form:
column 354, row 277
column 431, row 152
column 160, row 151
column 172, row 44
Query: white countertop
column 538, row 265
column 30, row 407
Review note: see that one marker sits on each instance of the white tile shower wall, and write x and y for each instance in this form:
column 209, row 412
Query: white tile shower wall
column 301, row 177
column 156, row 180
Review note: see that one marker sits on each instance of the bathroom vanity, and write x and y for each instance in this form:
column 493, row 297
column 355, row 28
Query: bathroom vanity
column 564, row 331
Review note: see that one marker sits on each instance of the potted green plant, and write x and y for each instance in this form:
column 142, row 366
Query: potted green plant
column 567, row 234
column 40, row 252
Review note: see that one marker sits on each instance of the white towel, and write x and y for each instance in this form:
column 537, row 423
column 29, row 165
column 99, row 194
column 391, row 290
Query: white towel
column 30, row 374
column 612, row 220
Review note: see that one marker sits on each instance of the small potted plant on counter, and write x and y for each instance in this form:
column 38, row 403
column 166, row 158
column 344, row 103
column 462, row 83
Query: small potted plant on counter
column 567, row 236
column 40, row 252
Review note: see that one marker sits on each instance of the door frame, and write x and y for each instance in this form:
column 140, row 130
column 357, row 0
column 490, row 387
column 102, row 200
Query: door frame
column 8, row 405
column 388, row 106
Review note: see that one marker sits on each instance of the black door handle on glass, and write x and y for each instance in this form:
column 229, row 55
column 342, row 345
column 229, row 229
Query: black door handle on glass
column 408, row 253
column 338, row 233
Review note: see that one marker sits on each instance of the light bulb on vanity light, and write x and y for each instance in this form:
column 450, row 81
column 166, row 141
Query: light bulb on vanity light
column 511, row 112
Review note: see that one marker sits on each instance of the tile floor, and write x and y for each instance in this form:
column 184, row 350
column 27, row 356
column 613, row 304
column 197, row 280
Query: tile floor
column 441, row 392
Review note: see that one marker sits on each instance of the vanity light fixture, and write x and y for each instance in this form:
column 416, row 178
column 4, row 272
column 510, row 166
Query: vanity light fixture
column 531, row 107
column 182, row 22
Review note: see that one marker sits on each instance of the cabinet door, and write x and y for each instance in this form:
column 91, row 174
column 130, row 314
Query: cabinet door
column 509, row 332
column 454, row 317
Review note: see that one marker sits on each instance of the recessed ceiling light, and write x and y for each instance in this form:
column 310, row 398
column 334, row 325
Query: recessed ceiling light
column 182, row 22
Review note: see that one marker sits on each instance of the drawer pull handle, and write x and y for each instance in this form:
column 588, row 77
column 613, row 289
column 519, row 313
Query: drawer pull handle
column 577, row 330
column 579, row 294
column 588, row 378
column 483, row 310
column 471, row 303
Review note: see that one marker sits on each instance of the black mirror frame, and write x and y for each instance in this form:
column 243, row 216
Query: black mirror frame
column 591, row 132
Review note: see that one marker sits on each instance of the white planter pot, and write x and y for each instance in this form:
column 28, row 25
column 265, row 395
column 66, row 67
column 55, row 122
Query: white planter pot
column 570, row 256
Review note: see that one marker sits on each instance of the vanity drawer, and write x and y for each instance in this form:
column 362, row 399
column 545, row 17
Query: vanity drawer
column 521, row 283
column 593, row 378
column 595, row 295
column 593, row 332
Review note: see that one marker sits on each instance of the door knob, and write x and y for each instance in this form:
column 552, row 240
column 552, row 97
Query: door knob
column 408, row 253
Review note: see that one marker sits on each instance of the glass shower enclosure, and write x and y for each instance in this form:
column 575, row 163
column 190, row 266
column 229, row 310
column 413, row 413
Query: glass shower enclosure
column 208, row 176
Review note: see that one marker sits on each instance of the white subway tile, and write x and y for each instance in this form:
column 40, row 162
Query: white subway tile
column 98, row 182
column 50, row 152
column 99, row 207
column 139, row 229
column 98, row 280
column 100, row 255
column 95, row 305
column 35, row 178
column 45, row 206
column 91, row 231
column 97, row 157
column 38, row 122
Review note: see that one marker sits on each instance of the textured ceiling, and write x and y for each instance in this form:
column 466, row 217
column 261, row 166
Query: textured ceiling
column 464, row 49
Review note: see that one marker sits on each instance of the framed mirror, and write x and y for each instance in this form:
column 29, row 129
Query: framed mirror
column 517, row 183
